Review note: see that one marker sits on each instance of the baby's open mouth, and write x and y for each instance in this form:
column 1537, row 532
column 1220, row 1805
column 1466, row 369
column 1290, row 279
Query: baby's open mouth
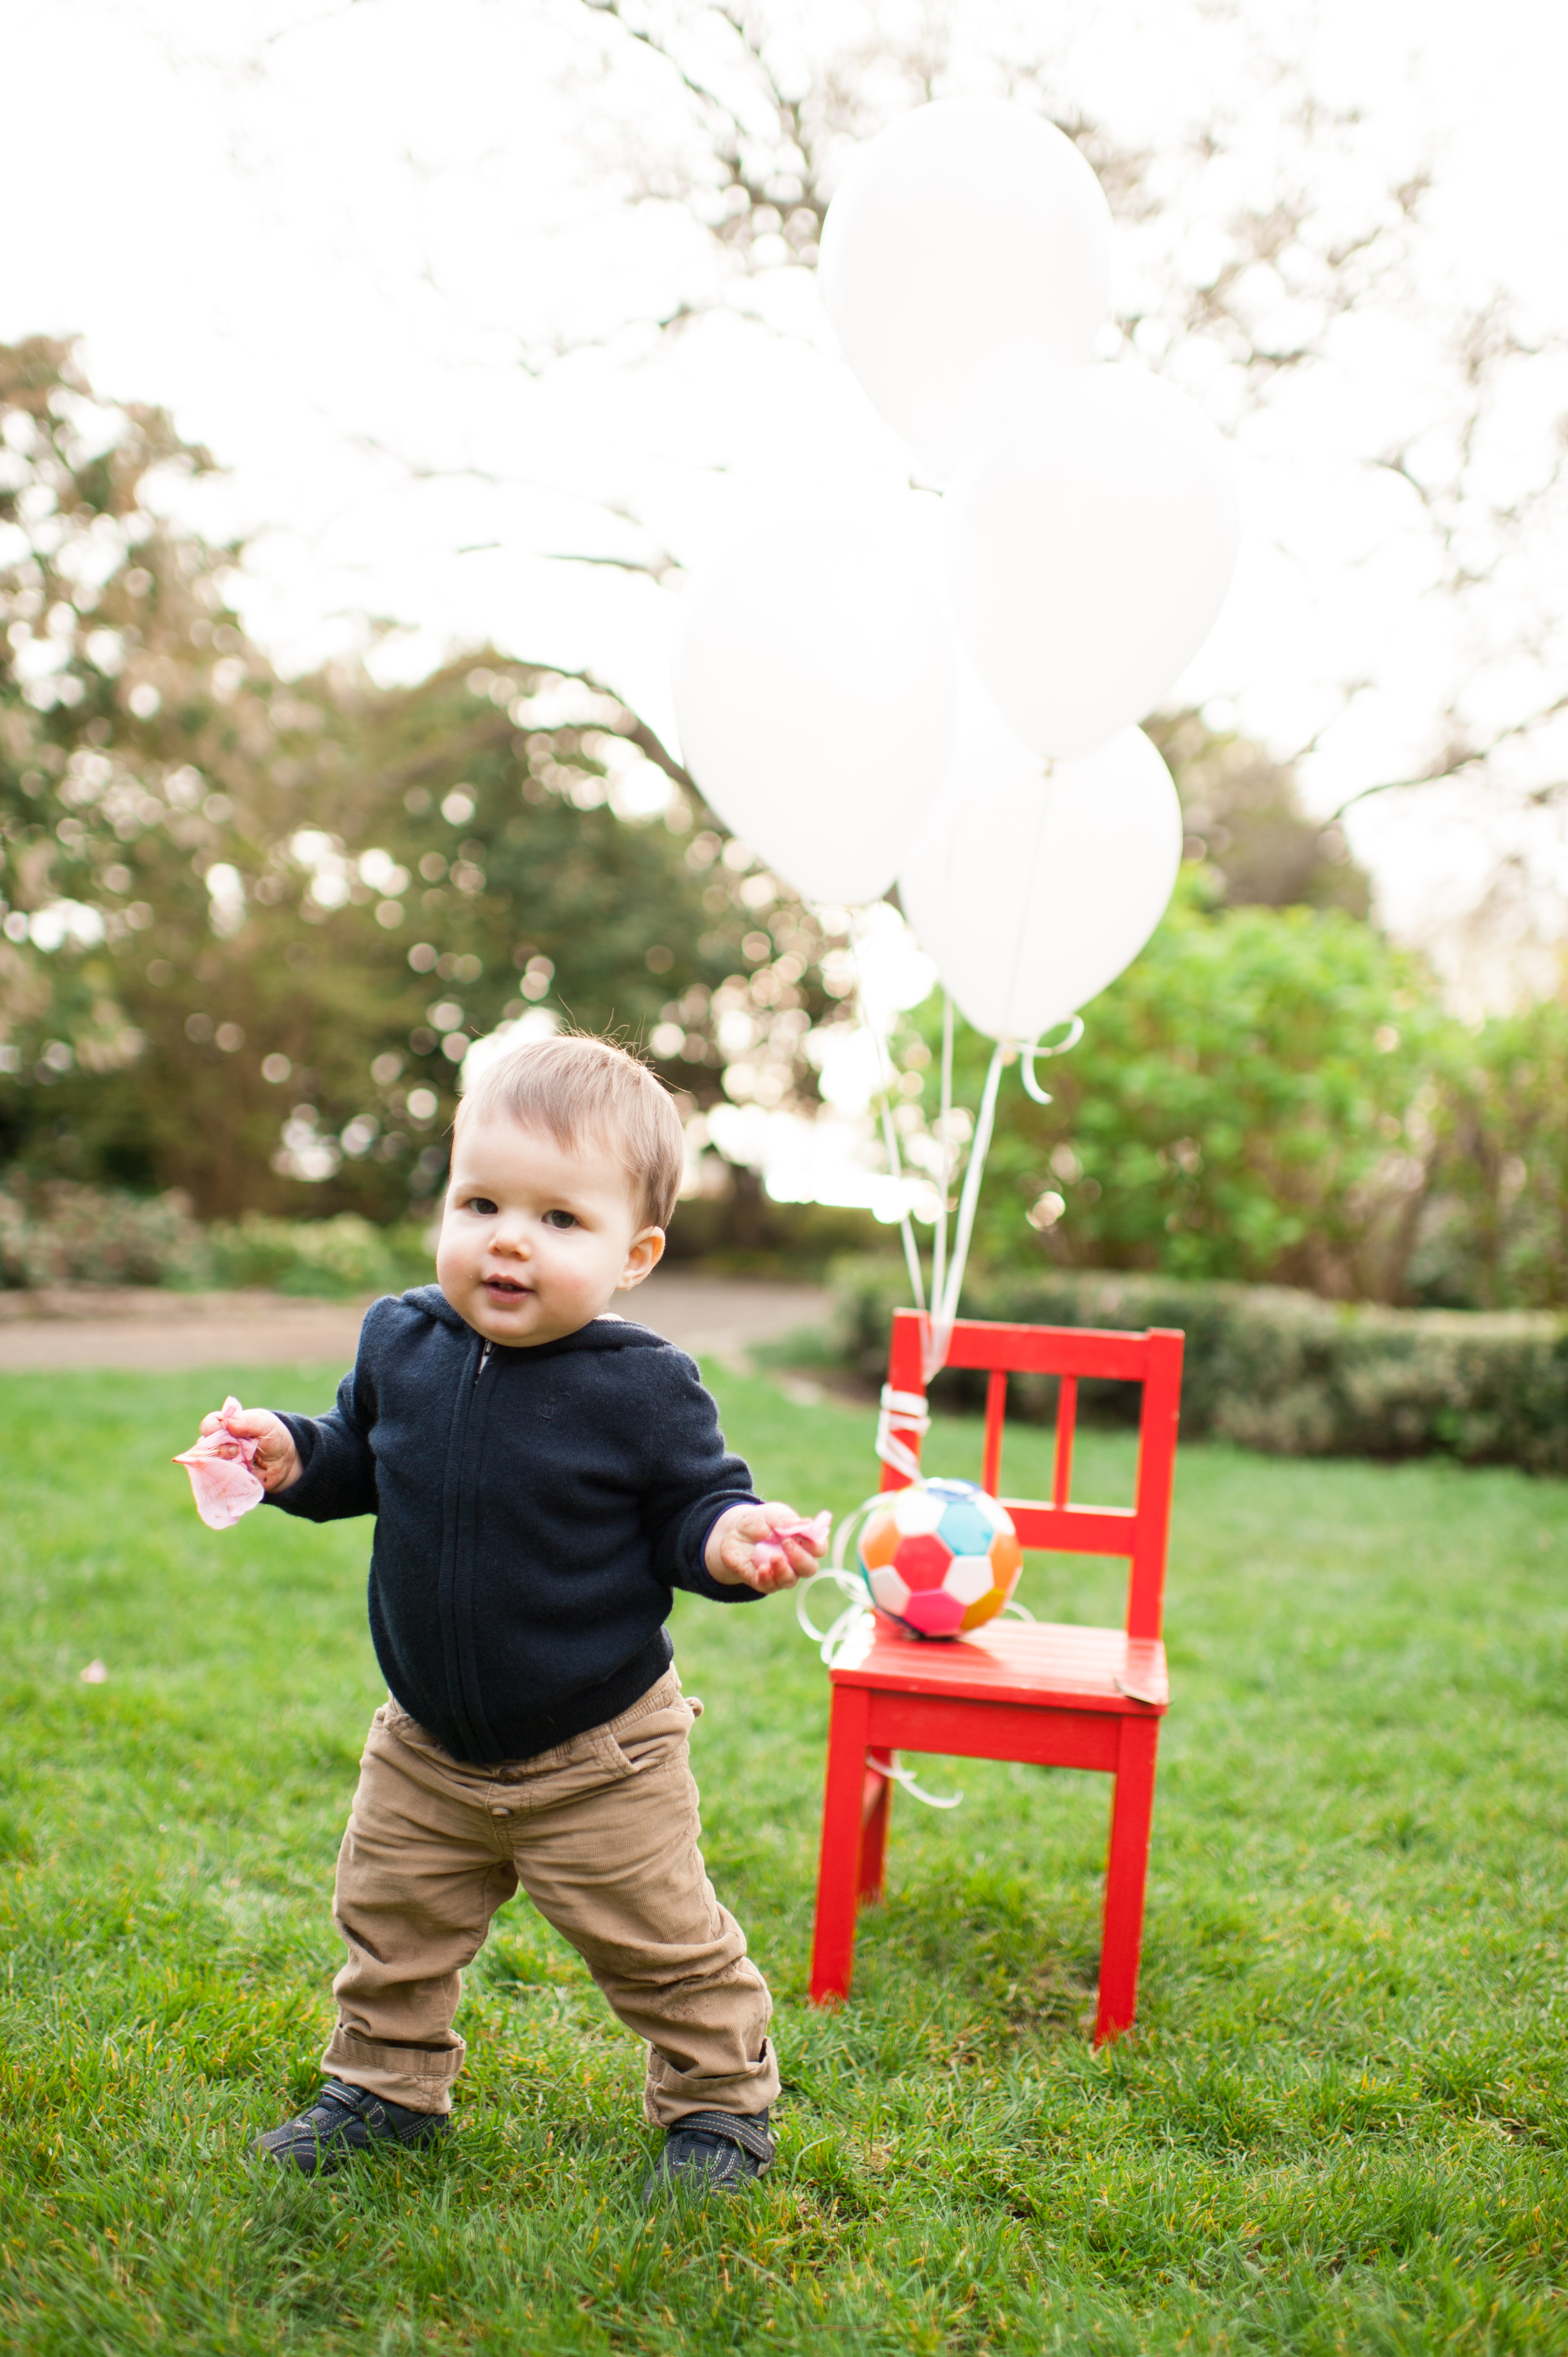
column 508, row 1286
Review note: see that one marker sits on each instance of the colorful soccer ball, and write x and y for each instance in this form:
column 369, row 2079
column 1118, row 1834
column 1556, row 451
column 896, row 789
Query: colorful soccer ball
column 939, row 1557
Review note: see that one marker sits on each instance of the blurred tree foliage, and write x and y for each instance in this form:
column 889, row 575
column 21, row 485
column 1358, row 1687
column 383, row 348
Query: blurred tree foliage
column 250, row 928
column 1247, row 832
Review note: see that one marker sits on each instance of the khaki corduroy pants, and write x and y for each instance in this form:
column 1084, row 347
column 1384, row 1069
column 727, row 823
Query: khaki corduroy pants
column 602, row 1833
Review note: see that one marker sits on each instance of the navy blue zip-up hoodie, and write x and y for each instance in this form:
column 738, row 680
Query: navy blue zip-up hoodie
column 534, row 1510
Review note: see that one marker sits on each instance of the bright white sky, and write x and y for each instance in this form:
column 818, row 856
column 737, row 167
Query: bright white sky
column 309, row 227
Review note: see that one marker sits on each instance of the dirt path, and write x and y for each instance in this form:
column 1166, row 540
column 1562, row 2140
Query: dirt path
column 129, row 1328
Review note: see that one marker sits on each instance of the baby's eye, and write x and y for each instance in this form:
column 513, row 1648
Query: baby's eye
column 481, row 1204
column 559, row 1220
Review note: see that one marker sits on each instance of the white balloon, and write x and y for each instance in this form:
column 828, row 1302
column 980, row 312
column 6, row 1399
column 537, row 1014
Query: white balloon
column 814, row 699
column 1090, row 544
column 1031, row 891
column 966, row 256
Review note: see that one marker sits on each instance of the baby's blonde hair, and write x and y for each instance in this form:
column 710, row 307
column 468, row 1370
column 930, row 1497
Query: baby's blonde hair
column 579, row 1090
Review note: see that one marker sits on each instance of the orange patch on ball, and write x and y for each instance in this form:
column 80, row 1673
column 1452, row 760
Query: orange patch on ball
column 879, row 1540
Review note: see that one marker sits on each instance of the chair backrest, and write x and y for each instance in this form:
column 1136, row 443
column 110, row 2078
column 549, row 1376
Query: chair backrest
column 1139, row 1532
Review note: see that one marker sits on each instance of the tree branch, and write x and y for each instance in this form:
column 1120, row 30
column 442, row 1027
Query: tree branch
column 1461, row 755
column 659, row 565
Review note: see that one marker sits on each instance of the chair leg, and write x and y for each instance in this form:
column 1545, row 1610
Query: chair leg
column 876, row 1807
column 838, row 1878
column 1127, row 1874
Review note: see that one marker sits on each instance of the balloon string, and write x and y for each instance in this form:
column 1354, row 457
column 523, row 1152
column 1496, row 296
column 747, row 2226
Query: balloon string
column 940, row 1240
column 890, row 1135
column 902, row 1411
column 905, row 1226
column 947, row 1281
column 938, row 1333
column 1026, row 1059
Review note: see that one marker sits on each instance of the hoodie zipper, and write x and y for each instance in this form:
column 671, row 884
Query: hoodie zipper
column 458, row 1568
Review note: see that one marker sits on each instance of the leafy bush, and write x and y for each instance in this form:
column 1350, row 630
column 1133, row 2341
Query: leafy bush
column 1495, row 1226
column 326, row 1257
column 1252, row 1099
column 62, row 1233
column 1276, row 1095
column 1275, row 1369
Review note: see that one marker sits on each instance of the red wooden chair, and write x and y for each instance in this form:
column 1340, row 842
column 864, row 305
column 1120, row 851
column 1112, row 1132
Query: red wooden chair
column 1056, row 1695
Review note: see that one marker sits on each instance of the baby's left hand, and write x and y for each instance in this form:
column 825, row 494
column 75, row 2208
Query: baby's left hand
column 765, row 1547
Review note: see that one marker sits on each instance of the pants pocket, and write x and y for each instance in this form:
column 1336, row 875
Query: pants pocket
column 650, row 1742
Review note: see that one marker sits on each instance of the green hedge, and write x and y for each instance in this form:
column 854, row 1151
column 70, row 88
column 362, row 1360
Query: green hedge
column 63, row 1233
column 1276, row 1370
column 59, row 1232
column 343, row 1256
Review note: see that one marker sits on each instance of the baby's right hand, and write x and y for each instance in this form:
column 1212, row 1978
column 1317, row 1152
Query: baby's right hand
column 277, row 1462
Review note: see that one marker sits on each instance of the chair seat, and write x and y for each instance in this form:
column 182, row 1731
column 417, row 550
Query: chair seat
column 1054, row 1665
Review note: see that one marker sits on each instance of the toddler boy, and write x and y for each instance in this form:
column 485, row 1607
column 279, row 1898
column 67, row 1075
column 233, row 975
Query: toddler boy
column 544, row 1474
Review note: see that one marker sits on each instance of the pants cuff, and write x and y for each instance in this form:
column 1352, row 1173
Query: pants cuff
column 671, row 2095
column 399, row 2074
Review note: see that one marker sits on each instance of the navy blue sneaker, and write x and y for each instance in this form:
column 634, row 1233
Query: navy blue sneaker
column 711, row 2152
column 345, row 2120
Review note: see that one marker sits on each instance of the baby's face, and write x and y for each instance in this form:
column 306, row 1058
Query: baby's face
column 536, row 1241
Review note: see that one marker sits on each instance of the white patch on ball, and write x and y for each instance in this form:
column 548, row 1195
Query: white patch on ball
column 917, row 1511
column 969, row 1577
column 889, row 1590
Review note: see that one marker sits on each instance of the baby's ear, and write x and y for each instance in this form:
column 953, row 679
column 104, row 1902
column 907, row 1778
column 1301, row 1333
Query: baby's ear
column 647, row 1249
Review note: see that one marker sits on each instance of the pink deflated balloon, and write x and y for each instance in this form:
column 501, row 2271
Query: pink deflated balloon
column 221, row 1475
column 769, row 1557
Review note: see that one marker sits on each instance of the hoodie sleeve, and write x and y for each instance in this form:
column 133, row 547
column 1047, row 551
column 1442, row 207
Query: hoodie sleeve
column 692, row 1481
column 338, row 1476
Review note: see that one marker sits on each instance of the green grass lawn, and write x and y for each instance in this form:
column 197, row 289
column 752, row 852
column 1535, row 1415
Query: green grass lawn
column 1341, row 2126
